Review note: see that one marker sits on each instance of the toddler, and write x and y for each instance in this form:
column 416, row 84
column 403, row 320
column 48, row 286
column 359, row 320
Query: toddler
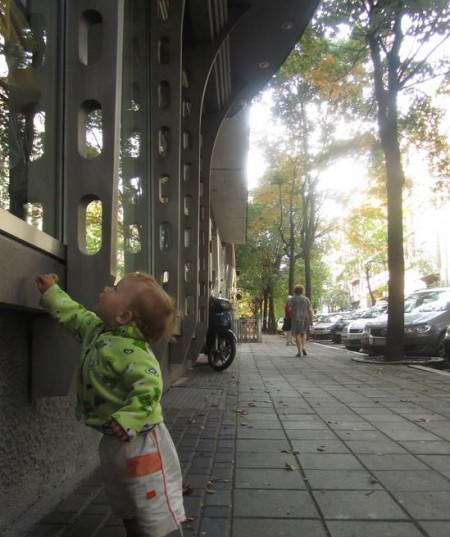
column 119, row 389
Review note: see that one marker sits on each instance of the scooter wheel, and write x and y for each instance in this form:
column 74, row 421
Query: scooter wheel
column 223, row 356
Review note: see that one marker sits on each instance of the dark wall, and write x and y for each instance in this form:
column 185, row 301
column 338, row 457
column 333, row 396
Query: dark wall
column 41, row 443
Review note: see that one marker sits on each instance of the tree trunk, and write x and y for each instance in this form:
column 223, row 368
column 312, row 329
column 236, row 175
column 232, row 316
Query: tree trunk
column 387, row 125
column 308, row 285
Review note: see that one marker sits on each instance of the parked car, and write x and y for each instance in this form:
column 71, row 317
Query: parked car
column 280, row 323
column 427, row 316
column 322, row 329
column 336, row 329
column 447, row 342
column 352, row 333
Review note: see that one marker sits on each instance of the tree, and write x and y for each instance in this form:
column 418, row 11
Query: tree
column 400, row 39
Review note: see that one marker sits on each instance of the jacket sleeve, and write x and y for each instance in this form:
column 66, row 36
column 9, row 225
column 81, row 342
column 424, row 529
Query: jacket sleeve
column 73, row 316
column 141, row 378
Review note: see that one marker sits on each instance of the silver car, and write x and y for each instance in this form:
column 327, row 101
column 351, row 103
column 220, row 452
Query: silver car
column 352, row 333
column 427, row 315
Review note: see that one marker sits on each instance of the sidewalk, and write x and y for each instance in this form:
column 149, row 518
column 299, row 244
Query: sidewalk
column 319, row 446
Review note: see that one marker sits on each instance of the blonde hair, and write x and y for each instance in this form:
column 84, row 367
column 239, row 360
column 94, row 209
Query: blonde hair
column 153, row 309
column 299, row 289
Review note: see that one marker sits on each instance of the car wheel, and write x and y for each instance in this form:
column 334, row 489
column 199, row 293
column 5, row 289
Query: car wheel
column 440, row 349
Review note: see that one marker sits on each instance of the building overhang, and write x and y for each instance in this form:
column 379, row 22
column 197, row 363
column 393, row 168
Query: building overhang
column 257, row 45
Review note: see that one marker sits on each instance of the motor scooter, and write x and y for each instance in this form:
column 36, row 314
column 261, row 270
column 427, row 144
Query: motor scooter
column 220, row 344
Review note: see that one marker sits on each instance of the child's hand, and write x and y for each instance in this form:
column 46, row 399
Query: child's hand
column 45, row 281
column 117, row 430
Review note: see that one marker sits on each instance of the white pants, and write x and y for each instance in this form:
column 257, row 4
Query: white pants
column 142, row 480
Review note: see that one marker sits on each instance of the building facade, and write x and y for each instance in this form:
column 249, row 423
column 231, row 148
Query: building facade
column 123, row 139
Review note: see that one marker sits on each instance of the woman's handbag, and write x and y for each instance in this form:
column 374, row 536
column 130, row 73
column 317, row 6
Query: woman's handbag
column 286, row 324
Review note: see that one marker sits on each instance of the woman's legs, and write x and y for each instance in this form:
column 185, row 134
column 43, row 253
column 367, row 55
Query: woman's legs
column 298, row 341
column 289, row 337
column 303, row 339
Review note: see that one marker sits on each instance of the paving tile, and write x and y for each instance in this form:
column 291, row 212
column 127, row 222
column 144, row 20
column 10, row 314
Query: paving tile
column 391, row 462
column 214, row 527
column 356, row 505
column 329, row 461
column 264, row 460
column 371, row 435
column 373, row 529
column 251, row 432
column 268, row 479
column 307, row 434
column 273, row 504
column 341, row 480
column 260, row 445
column 380, row 447
column 435, row 529
column 438, row 462
column 85, row 525
column 427, row 447
column 426, row 505
column 313, row 446
column 413, row 480
column 250, row 527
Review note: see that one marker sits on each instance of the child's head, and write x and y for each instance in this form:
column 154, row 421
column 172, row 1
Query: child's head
column 138, row 298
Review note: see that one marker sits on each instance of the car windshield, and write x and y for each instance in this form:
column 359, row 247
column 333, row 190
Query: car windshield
column 443, row 304
column 333, row 318
column 419, row 300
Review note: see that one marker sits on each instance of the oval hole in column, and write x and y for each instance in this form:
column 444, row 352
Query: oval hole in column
column 164, row 236
column 90, row 221
column 90, row 37
column 189, row 305
column 164, row 183
column 164, row 141
column 165, row 278
column 164, row 95
column 90, row 134
column 187, row 205
column 188, row 271
column 163, row 50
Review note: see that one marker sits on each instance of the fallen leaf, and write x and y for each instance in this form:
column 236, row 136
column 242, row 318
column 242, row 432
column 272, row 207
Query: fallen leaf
column 290, row 467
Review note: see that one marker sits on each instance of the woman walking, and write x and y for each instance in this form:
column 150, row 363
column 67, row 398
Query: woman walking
column 301, row 318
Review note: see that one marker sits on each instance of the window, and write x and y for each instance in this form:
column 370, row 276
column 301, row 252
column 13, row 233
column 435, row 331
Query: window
column 29, row 115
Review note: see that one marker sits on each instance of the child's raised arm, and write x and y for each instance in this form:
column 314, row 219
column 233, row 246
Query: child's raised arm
column 45, row 281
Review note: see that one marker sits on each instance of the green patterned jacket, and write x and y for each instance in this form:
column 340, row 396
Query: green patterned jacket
column 119, row 375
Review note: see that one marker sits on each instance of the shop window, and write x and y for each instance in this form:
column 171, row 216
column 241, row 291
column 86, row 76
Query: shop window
column 132, row 191
column 34, row 215
column 26, row 44
column 37, row 134
column 133, row 239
